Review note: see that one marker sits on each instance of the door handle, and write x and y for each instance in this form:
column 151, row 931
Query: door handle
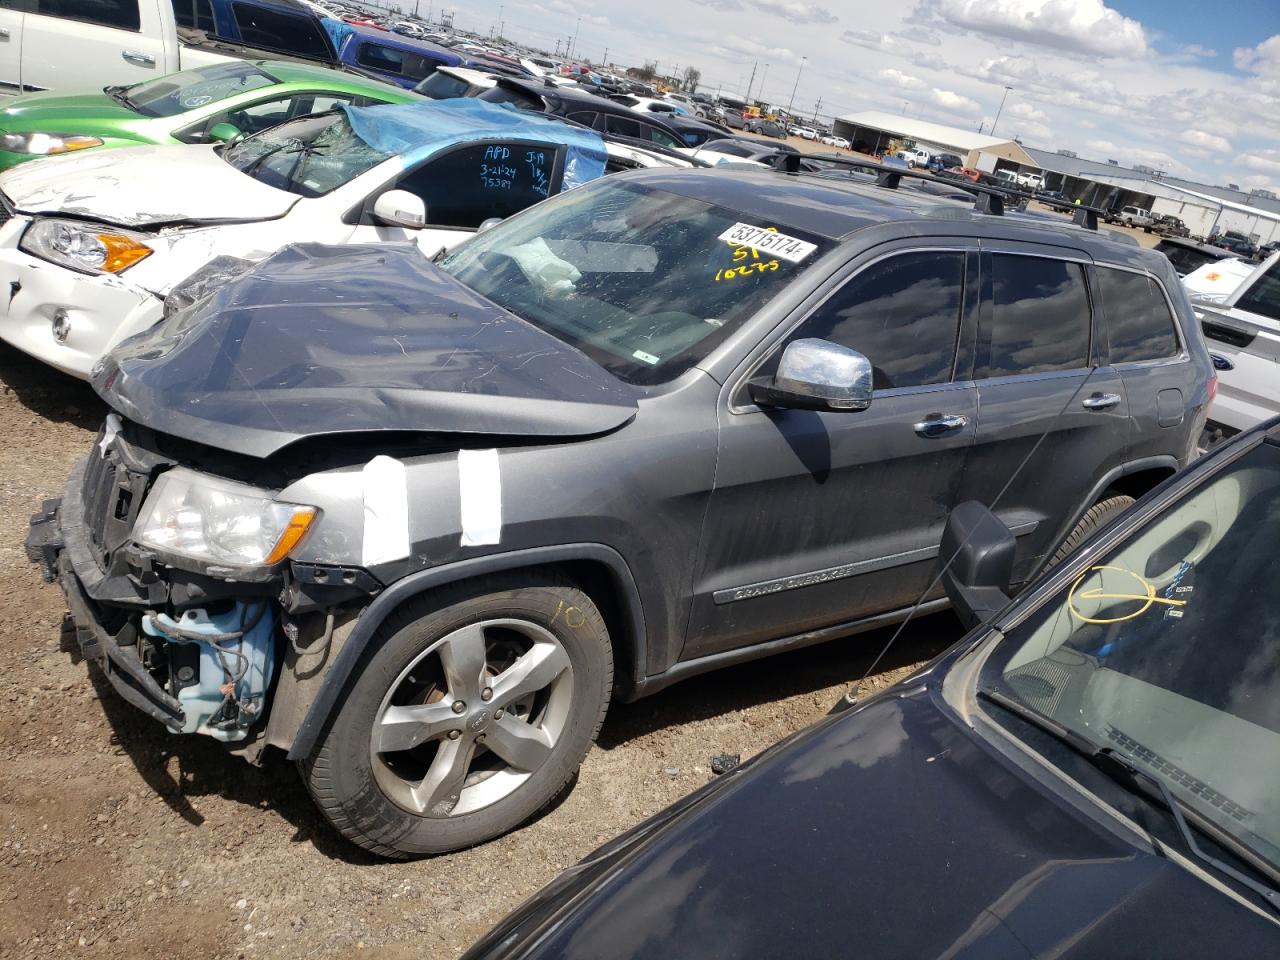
column 141, row 59
column 1101, row 401
column 937, row 426
column 4, row 33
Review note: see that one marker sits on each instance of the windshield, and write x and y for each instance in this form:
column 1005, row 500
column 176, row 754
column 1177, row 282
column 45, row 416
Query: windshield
column 1184, row 258
column 644, row 281
column 192, row 89
column 442, row 86
column 310, row 156
column 1168, row 652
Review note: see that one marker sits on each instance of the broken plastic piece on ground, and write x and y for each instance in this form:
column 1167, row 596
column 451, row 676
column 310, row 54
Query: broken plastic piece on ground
column 724, row 762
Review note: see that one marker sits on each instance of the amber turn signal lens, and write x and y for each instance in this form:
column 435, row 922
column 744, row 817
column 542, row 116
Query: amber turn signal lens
column 122, row 252
column 298, row 526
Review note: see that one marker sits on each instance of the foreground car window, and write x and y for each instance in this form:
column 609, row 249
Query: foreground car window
column 1168, row 652
column 310, row 156
column 192, row 89
column 643, row 281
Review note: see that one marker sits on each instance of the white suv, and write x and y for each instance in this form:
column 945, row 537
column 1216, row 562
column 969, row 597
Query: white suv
column 1242, row 332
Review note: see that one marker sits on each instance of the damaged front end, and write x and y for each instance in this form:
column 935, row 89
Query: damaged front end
column 180, row 589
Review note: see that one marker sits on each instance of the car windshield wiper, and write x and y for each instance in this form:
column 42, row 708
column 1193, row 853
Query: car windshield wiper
column 117, row 93
column 252, row 166
column 1125, row 772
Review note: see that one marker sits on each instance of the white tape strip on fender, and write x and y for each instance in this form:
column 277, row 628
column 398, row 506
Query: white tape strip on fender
column 386, row 511
column 480, row 497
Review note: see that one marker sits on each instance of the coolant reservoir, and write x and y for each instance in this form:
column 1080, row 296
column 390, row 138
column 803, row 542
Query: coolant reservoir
column 251, row 659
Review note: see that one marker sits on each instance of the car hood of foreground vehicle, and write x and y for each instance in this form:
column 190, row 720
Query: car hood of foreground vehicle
column 339, row 340
column 887, row 832
column 144, row 187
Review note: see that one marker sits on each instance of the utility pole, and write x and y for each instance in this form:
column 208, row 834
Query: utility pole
column 575, row 36
column 605, row 59
column 751, row 81
column 997, row 119
column 816, row 107
column 796, row 84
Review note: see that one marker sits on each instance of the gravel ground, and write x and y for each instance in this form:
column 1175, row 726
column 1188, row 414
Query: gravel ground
column 120, row 840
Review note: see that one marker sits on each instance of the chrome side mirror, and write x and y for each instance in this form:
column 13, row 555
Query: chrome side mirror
column 400, row 208
column 816, row 375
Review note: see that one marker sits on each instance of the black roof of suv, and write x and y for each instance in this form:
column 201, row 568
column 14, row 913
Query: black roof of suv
column 666, row 422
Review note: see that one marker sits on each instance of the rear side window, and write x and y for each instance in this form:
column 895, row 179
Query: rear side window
column 1264, row 296
column 272, row 30
column 122, row 14
column 194, row 14
column 1139, row 323
column 378, row 57
column 903, row 314
column 466, row 187
column 1037, row 319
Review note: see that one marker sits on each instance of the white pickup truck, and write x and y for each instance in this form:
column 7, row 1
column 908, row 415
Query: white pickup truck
column 1242, row 332
column 88, row 44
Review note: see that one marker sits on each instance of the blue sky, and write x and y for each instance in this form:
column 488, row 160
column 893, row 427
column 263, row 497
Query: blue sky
column 1189, row 87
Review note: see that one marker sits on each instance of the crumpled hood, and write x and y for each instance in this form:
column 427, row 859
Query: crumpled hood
column 325, row 340
column 144, row 186
column 885, row 833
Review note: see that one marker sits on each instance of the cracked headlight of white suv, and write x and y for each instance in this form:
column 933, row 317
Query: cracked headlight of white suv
column 84, row 247
column 217, row 521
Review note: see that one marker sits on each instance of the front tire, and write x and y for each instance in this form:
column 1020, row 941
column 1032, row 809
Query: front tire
column 472, row 715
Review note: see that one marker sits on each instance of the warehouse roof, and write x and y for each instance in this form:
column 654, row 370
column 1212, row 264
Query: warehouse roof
column 934, row 133
column 1094, row 169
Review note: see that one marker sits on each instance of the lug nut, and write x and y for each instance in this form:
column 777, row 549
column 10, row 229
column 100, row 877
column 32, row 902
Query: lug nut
column 480, row 739
column 458, row 706
column 454, row 734
column 497, row 714
column 486, row 694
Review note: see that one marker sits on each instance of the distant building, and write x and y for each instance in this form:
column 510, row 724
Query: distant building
column 873, row 131
column 1203, row 208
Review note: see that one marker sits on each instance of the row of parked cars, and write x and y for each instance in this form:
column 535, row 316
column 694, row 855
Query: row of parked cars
column 436, row 427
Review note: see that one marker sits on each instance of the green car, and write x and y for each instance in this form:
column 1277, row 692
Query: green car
column 217, row 102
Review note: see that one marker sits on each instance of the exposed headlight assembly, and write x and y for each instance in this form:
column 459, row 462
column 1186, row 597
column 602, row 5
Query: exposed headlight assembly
column 46, row 144
column 219, row 521
column 83, row 246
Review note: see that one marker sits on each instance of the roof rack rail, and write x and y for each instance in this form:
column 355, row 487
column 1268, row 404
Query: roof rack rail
column 988, row 199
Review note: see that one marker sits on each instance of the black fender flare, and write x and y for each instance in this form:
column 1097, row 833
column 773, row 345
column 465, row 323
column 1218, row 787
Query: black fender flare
column 1162, row 462
column 344, row 664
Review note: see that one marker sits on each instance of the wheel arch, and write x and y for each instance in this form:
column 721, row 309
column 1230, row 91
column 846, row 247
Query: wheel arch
column 1135, row 479
column 601, row 571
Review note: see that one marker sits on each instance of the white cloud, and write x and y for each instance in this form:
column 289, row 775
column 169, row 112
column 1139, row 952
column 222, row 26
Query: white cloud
column 1025, row 111
column 921, row 35
column 871, row 40
column 954, row 102
column 901, row 80
column 1205, row 141
column 1081, row 26
column 796, row 11
column 1103, row 146
column 1268, row 161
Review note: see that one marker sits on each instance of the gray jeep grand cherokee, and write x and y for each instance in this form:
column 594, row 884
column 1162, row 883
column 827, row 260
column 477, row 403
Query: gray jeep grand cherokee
column 417, row 523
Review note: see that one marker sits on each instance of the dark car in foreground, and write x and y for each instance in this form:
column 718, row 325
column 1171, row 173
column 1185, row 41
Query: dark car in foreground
column 1094, row 772
column 417, row 523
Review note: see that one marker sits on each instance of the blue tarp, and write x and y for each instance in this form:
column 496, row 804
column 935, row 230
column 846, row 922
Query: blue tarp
column 338, row 31
column 414, row 131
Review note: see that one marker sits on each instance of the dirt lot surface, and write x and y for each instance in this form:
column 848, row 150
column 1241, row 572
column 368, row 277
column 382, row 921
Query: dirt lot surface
column 120, row 840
